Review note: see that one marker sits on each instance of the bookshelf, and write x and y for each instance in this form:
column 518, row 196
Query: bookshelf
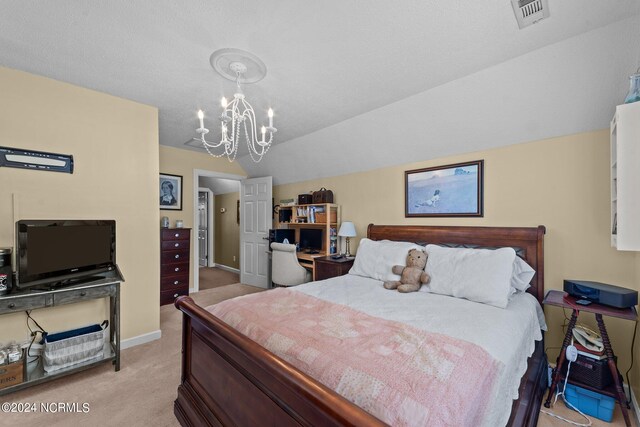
column 325, row 216
column 625, row 178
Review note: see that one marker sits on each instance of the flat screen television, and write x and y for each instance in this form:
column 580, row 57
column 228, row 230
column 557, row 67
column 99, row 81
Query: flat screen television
column 311, row 239
column 59, row 252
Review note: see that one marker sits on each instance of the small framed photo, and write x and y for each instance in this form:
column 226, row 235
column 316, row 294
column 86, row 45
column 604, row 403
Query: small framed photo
column 170, row 192
column 445, row 191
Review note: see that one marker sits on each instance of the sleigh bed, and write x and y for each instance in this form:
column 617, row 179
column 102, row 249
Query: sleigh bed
column 230, row 380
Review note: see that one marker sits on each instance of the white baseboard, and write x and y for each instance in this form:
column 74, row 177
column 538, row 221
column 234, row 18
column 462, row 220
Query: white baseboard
column 634, row 403
column 140, row 339
column 231, row 269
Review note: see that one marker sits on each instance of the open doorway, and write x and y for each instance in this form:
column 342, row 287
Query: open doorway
column 216, row 223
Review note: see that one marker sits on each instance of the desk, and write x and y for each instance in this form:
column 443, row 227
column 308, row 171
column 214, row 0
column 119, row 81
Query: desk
column 556, row 298
column 306, row 260
column 32, row 299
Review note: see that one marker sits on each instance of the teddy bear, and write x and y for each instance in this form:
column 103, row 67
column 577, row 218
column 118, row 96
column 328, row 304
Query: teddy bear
column 413, row 276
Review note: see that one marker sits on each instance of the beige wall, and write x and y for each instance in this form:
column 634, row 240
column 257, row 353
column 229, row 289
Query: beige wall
column 227, row 238
column 115, row 147
column 176, row 161
column 562, row 183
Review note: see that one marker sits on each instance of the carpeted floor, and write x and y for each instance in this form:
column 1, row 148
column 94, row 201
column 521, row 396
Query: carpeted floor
column 141, row 394
column 213, row 277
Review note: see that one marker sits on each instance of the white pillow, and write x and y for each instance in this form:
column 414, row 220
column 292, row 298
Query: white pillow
column 480, row 275
column 521, row 275
column 376, row 258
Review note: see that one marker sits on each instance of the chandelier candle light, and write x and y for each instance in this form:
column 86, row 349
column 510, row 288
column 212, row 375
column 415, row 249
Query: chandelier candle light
column 238, row 120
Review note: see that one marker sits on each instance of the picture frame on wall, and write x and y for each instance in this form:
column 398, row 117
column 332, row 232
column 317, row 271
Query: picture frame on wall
column 454, row 190
column 170, row 192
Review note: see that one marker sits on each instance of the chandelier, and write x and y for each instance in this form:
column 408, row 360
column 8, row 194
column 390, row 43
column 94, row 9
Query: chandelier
column 238, row 120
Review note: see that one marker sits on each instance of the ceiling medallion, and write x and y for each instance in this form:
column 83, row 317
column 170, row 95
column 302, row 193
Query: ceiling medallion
column 238, row 120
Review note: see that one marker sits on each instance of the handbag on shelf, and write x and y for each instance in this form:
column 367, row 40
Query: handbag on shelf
column 323, row 196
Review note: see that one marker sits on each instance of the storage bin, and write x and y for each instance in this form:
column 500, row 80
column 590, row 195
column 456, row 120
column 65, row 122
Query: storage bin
column 591, row 403
column 69, row 348
column 589, row 371
column 321, row 217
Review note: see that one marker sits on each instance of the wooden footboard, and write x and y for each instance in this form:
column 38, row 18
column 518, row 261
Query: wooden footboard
column 229, row 380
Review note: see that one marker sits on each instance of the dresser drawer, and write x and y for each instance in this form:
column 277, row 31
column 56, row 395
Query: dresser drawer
column 174, row 282
column 84, row 294
column 174, row 245
column 175, row 234
column 167, row 297
column 173, row 269
column 174, row 257
column 8, row 305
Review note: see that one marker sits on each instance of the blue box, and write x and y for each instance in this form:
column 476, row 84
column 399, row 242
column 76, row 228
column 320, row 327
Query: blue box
column 591, row 403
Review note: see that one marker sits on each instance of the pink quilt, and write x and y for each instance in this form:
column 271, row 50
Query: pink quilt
column 400, row 374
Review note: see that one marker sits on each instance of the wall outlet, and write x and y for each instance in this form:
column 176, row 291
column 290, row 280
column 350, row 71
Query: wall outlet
column 234, row 258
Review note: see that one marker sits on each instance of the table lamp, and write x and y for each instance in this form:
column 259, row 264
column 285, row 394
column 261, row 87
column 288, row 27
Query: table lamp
column 347, row 229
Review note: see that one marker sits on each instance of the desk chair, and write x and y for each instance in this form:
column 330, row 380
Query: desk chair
column 285, row 269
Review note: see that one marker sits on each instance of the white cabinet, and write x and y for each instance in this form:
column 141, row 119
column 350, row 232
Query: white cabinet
column 625, row 178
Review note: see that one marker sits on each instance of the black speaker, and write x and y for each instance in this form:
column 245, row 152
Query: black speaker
column 615, row 296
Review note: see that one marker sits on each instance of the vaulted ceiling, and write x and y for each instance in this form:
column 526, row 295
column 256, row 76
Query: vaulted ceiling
column 343, row 76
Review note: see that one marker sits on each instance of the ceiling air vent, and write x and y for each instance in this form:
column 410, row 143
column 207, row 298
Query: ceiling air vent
column 530, row 11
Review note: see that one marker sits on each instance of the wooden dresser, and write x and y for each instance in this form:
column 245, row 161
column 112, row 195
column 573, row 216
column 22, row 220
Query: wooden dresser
column 175, row 244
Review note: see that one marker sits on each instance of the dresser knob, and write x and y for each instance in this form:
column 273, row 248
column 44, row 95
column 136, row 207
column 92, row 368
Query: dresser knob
column 177, row 234
column 177, row 269
column 176, row 282
column 177, row 245
column 83, row 294
column 175, row 295
column 177, row 256
column 12, row 305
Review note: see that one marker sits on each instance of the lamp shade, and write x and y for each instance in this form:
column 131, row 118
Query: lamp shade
column 347, row 229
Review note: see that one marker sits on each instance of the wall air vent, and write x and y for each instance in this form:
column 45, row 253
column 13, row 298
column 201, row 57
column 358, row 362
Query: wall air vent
column 530, row 11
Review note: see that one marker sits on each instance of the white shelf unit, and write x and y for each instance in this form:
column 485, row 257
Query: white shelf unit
column 325, row 217
column 625, row 178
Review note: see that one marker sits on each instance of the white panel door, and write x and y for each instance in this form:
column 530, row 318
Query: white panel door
column 256, row 205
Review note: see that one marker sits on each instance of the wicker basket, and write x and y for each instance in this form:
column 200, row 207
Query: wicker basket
column 321, row 217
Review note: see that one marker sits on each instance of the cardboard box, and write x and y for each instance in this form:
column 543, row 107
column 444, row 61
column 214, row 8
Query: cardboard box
column 11, row 374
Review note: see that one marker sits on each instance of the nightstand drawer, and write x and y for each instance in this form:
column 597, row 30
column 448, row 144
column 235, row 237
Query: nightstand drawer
column 326, row 267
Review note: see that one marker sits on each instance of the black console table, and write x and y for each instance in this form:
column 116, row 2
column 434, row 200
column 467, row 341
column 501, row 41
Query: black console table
column 103, row 287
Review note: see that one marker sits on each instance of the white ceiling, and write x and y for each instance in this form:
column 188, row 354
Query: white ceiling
column 327, row 61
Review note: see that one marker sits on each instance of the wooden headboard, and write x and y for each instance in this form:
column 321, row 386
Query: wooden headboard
column 528, row 239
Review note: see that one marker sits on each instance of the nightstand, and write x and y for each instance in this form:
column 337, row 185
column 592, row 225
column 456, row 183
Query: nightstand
column 560, row 299
column 326, row 267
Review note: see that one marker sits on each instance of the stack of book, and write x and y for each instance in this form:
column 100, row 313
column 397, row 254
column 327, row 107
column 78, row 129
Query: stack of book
column 592, row 354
